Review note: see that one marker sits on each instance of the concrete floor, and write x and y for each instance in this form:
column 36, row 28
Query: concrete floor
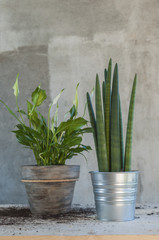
column 146, row 223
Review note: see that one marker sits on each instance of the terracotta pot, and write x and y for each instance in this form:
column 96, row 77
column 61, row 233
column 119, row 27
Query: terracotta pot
column 50, row 188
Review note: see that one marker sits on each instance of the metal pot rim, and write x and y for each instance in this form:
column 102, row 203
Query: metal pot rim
column 125, row 172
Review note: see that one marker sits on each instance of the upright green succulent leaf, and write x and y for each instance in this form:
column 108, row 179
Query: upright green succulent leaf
column 121, row 136
column 105, row 74
column 103, row 163
column 86, row 104
column 104, row 92
column 108, row 108
column 93, row 122
column 104, row 100
column 115, row 126
column 128, row 146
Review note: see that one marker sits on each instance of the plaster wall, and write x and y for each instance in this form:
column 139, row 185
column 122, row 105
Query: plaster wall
column 60, row 43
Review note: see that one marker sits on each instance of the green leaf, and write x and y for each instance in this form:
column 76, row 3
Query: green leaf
column 129, row 133
column 104, row 94
column 80, row 149
column 35, row 121
column 33, row 132
column 54, row 121
column 23, row 112
column 121, row 136
column 71, row 125
column 23, row 141
column 104, row 102
column 29, row 107
column 85, row 147
column 93, row 123
column 105, row 74
column 85, row 130
column 115, row 129
column 73, row 141
column 29, row 131
column 86, row 104
column 42, row 118
column 15, row 86
column 54, row 102
column 33, row 115
column 10, row 111
column 76, row 150
column 38, row 96
column 103, row 162
column 20, row 126
column 72, row 111
column 107, row 107
column 45, row 156
column 24, row 138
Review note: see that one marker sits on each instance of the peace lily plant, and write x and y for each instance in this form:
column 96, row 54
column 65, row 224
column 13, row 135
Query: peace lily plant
column 49, row 184
column 52, row 144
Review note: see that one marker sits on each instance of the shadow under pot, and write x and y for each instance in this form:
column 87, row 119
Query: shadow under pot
column 115, row 195
column 50, row 188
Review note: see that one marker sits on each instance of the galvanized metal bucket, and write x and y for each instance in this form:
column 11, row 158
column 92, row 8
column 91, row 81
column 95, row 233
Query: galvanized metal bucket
column 115, row 195
column 50, row 188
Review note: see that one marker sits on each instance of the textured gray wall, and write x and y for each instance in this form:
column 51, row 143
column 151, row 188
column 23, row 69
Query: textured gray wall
column 59, row 43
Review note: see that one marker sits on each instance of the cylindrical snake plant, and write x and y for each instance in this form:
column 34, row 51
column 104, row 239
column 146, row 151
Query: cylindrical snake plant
column 107, row 124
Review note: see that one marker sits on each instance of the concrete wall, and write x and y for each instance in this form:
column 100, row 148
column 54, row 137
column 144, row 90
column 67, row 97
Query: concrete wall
column 59, row 43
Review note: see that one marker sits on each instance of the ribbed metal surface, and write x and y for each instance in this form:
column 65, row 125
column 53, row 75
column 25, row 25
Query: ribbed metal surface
column 115, row 195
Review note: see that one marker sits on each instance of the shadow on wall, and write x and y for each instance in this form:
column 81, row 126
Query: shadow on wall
column 32, row 65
